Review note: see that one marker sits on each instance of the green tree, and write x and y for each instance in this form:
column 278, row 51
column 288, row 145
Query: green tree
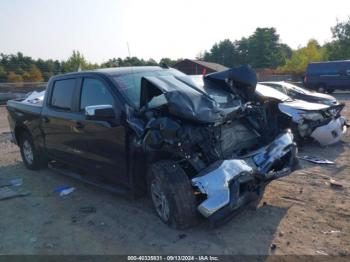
column 300, row 58
column 3, row 74
column 265, row 49
column 13, row 77
column 339, row 48
column 168, row 61
column 33, row 75
column 222, row 52
column 75, row 62
column 260, row 50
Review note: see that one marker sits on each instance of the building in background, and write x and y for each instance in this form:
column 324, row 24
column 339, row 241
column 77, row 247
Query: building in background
column 197, row 67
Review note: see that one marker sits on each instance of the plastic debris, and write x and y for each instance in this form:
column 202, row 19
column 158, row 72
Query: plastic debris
column 317, row 160
column 60, row 188
column 17, row 181
column 11, row 182
column 64, row 190
column 7, row 193
column 331, row 232
column 321, row 252
column 334, row 183
column 273, row 246
column 67, row 191
column 35, row 98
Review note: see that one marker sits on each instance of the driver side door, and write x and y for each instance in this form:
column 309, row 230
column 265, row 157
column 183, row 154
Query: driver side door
column 101, row 144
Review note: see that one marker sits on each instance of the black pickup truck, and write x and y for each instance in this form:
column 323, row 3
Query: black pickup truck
column 205, row 151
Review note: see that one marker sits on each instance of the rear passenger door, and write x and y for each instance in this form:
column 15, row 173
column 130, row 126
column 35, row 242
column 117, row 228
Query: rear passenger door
column 101, row 144
column 58, row 119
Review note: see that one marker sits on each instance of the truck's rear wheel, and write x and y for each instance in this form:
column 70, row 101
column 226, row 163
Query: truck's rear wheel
column 172, row 194
column 32, row 158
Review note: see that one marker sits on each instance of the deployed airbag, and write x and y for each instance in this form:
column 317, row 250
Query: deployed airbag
column 182, row 99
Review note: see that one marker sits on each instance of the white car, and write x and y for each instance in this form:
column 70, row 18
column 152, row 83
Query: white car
column 321, row 122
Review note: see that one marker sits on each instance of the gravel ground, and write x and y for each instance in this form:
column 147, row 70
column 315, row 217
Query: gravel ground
column 299, row 214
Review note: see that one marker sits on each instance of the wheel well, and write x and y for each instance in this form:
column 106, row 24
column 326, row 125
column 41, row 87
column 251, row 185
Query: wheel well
column 19, row 130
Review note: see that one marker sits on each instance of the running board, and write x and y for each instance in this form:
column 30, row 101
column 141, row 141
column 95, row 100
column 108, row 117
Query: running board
column 90, row 180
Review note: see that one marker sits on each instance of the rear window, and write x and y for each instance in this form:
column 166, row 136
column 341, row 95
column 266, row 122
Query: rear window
column 62, row 94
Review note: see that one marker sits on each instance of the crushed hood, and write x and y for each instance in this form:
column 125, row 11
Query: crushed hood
column 321, row 96
column 182, row 97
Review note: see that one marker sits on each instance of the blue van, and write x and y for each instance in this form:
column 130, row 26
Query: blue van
column 328, row 76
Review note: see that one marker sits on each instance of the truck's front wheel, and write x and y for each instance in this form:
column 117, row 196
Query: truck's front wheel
column 172, row 194
column 32, row 158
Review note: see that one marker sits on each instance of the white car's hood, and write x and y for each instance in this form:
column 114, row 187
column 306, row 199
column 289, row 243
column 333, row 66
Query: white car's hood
column 293, row 108
column 302, row 105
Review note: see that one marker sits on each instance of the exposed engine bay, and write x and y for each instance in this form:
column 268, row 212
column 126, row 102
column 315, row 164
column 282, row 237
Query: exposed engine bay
column 230, row 147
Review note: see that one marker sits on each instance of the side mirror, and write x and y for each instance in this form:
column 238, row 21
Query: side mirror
column 100, row 112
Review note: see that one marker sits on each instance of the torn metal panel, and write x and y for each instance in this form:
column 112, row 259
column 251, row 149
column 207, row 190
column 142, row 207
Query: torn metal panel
column 221, row 181
column 240, row 80
column 330, row 133
column 266, row 157
column 182, row 99
column 316, row 160
column 215, row 184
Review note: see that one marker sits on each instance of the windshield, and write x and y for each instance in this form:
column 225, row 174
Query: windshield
column 129, row 85
column 267, row 91
column 296, row 88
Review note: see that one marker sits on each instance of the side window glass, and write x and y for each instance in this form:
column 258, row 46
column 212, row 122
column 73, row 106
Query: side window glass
column 94, row 92
column 62, row 94
column 348, row 72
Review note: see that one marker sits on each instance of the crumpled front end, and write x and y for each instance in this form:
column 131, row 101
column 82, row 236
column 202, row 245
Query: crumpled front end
column 330, row 133
column 230, row 184
column 325, row 125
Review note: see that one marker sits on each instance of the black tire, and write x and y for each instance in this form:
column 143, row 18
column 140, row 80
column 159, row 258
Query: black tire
column 37, row 160
column 175, row 191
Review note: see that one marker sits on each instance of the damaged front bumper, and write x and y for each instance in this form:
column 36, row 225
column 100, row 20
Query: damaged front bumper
column 231, row 184
column 330, row 133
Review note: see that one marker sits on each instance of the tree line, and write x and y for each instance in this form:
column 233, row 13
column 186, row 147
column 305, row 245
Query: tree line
column 21, row 68
column 261, row 50
column 264, row 50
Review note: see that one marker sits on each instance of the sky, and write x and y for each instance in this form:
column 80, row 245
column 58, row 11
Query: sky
column 103, row 29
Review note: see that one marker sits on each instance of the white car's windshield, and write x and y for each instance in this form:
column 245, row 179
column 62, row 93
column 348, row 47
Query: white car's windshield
column 296, row 88
column 267, row 91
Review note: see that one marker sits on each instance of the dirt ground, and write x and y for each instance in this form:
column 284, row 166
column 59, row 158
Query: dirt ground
column 299, row 214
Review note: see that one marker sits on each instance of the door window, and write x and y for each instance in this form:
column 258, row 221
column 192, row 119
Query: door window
column 94, row 92
column 62, row 94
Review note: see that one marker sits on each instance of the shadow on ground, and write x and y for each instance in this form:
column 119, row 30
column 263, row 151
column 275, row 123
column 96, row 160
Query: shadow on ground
column 45, row 223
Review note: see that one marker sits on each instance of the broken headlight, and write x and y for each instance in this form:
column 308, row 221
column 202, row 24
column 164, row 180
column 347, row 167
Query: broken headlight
column 313, row 116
